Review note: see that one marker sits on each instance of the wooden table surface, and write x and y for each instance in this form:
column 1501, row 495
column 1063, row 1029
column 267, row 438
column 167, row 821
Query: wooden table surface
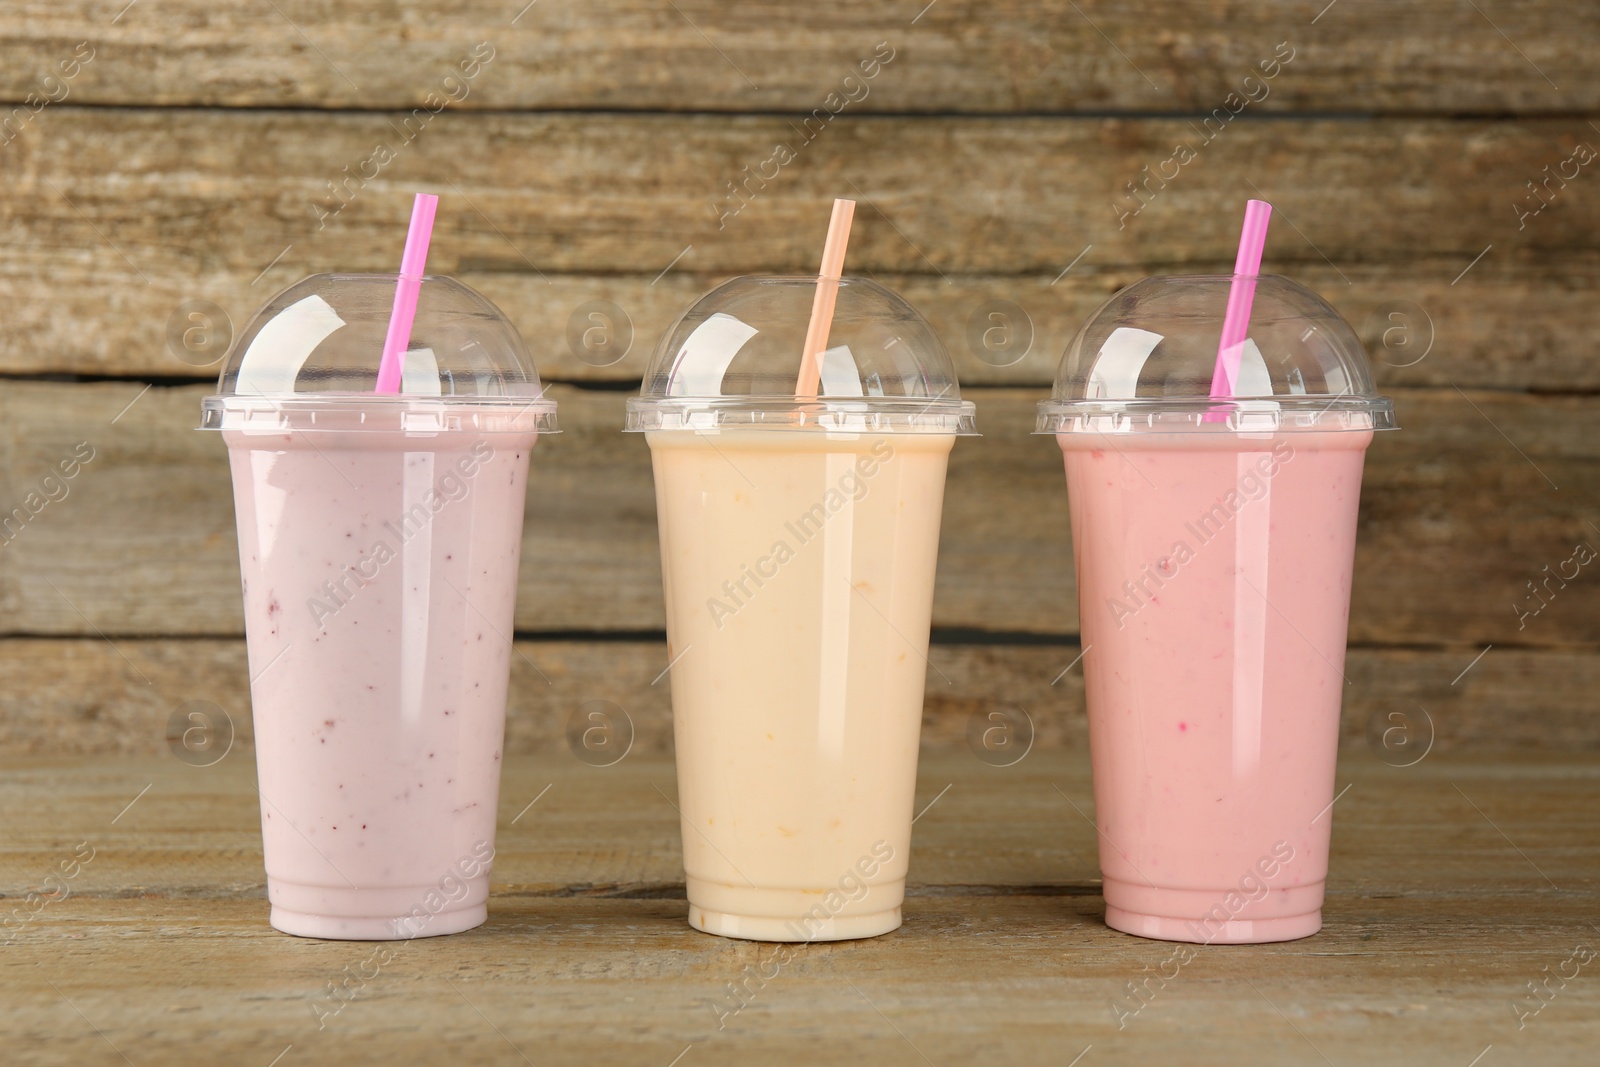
column 1455, row 883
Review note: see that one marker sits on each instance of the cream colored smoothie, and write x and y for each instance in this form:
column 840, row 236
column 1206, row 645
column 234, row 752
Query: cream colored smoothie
column 799, row 540
column 799, row 574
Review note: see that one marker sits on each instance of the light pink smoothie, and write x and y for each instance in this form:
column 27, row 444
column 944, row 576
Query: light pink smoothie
column 1214, row 589
column 380, row 576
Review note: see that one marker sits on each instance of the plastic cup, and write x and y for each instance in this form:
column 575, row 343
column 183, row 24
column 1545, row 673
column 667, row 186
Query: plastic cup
column 379, row 538
column 798, row 547
column 1214, row 541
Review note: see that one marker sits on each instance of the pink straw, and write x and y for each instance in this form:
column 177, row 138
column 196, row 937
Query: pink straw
column 827, row 296
column 1236, row 322
column 405, row 294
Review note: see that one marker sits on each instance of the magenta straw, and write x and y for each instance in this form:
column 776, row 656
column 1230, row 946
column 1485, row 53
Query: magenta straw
column 405, row 294
column 1236, row 322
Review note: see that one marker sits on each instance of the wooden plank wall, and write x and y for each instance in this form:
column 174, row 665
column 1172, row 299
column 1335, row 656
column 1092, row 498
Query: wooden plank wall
column 1429, row 161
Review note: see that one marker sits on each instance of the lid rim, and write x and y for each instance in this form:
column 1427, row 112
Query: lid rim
column 853, row 415
column 1056, row 416
column 781, row 400
column 347, row 399
column 232, row 411
column 1294, row 401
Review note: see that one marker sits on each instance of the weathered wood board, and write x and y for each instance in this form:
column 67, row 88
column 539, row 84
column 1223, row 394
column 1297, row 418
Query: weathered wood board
column 951, row 55
column 1455, row 521
column 1454, row 884
column 1502, row 326
column 201, row 180
column 117, row 217
column 134, row 697
column 228, row 191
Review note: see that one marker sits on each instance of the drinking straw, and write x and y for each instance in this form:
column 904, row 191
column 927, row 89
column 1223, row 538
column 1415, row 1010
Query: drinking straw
column 827, row 295
column 405, row 293
column 1236, row 321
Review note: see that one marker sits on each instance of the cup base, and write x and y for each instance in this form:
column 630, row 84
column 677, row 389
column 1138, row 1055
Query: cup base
column 1231, row 932
column 766, row 928
column 348, row 928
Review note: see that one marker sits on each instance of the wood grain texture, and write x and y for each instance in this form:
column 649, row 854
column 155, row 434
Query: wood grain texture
column 1502, row 326
column 224, row 193
column 1368, row 55
column 116, row 217
column 1455, row 522
column 134, row 696
column 1433, row 926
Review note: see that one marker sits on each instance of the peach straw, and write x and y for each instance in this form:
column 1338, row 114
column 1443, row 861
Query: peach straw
column 827, row 296
column 405, row 293
column 1236, row 321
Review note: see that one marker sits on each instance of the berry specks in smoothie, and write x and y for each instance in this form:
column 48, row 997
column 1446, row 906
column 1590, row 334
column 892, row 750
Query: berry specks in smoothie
column 273, row 607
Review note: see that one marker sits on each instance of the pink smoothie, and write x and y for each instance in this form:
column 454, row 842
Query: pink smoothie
column 380, row 576
column 1214, row 589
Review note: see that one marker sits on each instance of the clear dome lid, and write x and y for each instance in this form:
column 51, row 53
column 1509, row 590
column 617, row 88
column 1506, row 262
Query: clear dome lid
column 1144, row 363
column 309, row 359
column 733, row 359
